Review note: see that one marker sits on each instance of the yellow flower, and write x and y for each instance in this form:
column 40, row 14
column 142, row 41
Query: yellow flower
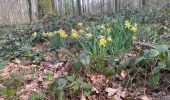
column 108, row 30
column 62, row 33
column 127, row 24
column 102, row 41
column 74, row 35
column 44, row 34
column 102, row 26
column 81, row 31
column 101, row 36
column 34, row 34
column 109, row 38
column 134, row 38
column 88, row 28
column 73, row 31
column 80, row 24
column 50, row 34
column 134, row 29
column 89, row 35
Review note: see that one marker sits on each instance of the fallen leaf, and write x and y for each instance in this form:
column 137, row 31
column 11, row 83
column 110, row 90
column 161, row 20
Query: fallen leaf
column 83, row 98
column 144, row 97
column 58, row 65
column 23, row 97
column 123, row 73
column 111, row 91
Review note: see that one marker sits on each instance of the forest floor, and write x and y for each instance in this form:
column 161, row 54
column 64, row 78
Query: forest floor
column 53, row 74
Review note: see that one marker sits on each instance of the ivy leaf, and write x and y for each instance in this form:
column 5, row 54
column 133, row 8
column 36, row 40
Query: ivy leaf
column 84, row 59
column 138, row 60
column 152, row 53
column 76, row 65
column 61, row 83
column 9, row 91
column 162, row 48
column 154, row 76
column 86, row 86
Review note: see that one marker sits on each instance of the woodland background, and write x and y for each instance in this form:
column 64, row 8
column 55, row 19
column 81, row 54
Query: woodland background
column 24, row 11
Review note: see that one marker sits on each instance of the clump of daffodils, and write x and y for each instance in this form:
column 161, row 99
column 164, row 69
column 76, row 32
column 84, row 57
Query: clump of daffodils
column 129, row 26
column 89, row 35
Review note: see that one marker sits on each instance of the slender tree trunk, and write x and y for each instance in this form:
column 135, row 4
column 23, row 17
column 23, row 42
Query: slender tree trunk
column 116, row 6
column 30, row 10
column 79, row 7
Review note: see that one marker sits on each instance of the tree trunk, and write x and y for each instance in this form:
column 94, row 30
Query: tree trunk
column 79, row 7
column 30, row 10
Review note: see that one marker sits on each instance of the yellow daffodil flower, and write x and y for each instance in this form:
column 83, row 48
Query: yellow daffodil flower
column 109, row 38
column 81, row 31
column 50, row 34
column 102, row 41
column 80, row 24
column 134, row 38
column 89, row 35
column 134, row 29
column 74, row 35
column 73, row 31
column 44, row 34
column 34, row 34
column 127, row 24
column 108, row 30
column 62, row 33
column 101, row 36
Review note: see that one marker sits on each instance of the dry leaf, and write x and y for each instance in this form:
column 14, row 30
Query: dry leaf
column 83, row 98
column 58, row 65
column 123, row 73
column 111, row 91
column 144, row 97
column 23, row 97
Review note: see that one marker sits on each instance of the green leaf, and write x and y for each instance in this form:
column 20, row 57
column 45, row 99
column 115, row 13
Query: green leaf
column 70, row 78
column 85, row 59
column 153, row 79
column 162, row 48
column 86, row 86
column 76, row 65
column 152, row 53
column 138, row 60
column 61, row 83
column 9, row 91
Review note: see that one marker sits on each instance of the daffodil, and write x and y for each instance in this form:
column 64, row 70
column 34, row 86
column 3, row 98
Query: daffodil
column 62, row 33
column 134, row 29
column 80, row 24
column 109, row 39
column 108, row 30
column 127, row 24
column 88, row 28
column 34, row 34
column 89, row 35
column 102, row 41
column 134, row 38
column 73, row 31
column 101, row 36
column 81, row 31
column 44, row 34
column 74, row 35
column 50, row 34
